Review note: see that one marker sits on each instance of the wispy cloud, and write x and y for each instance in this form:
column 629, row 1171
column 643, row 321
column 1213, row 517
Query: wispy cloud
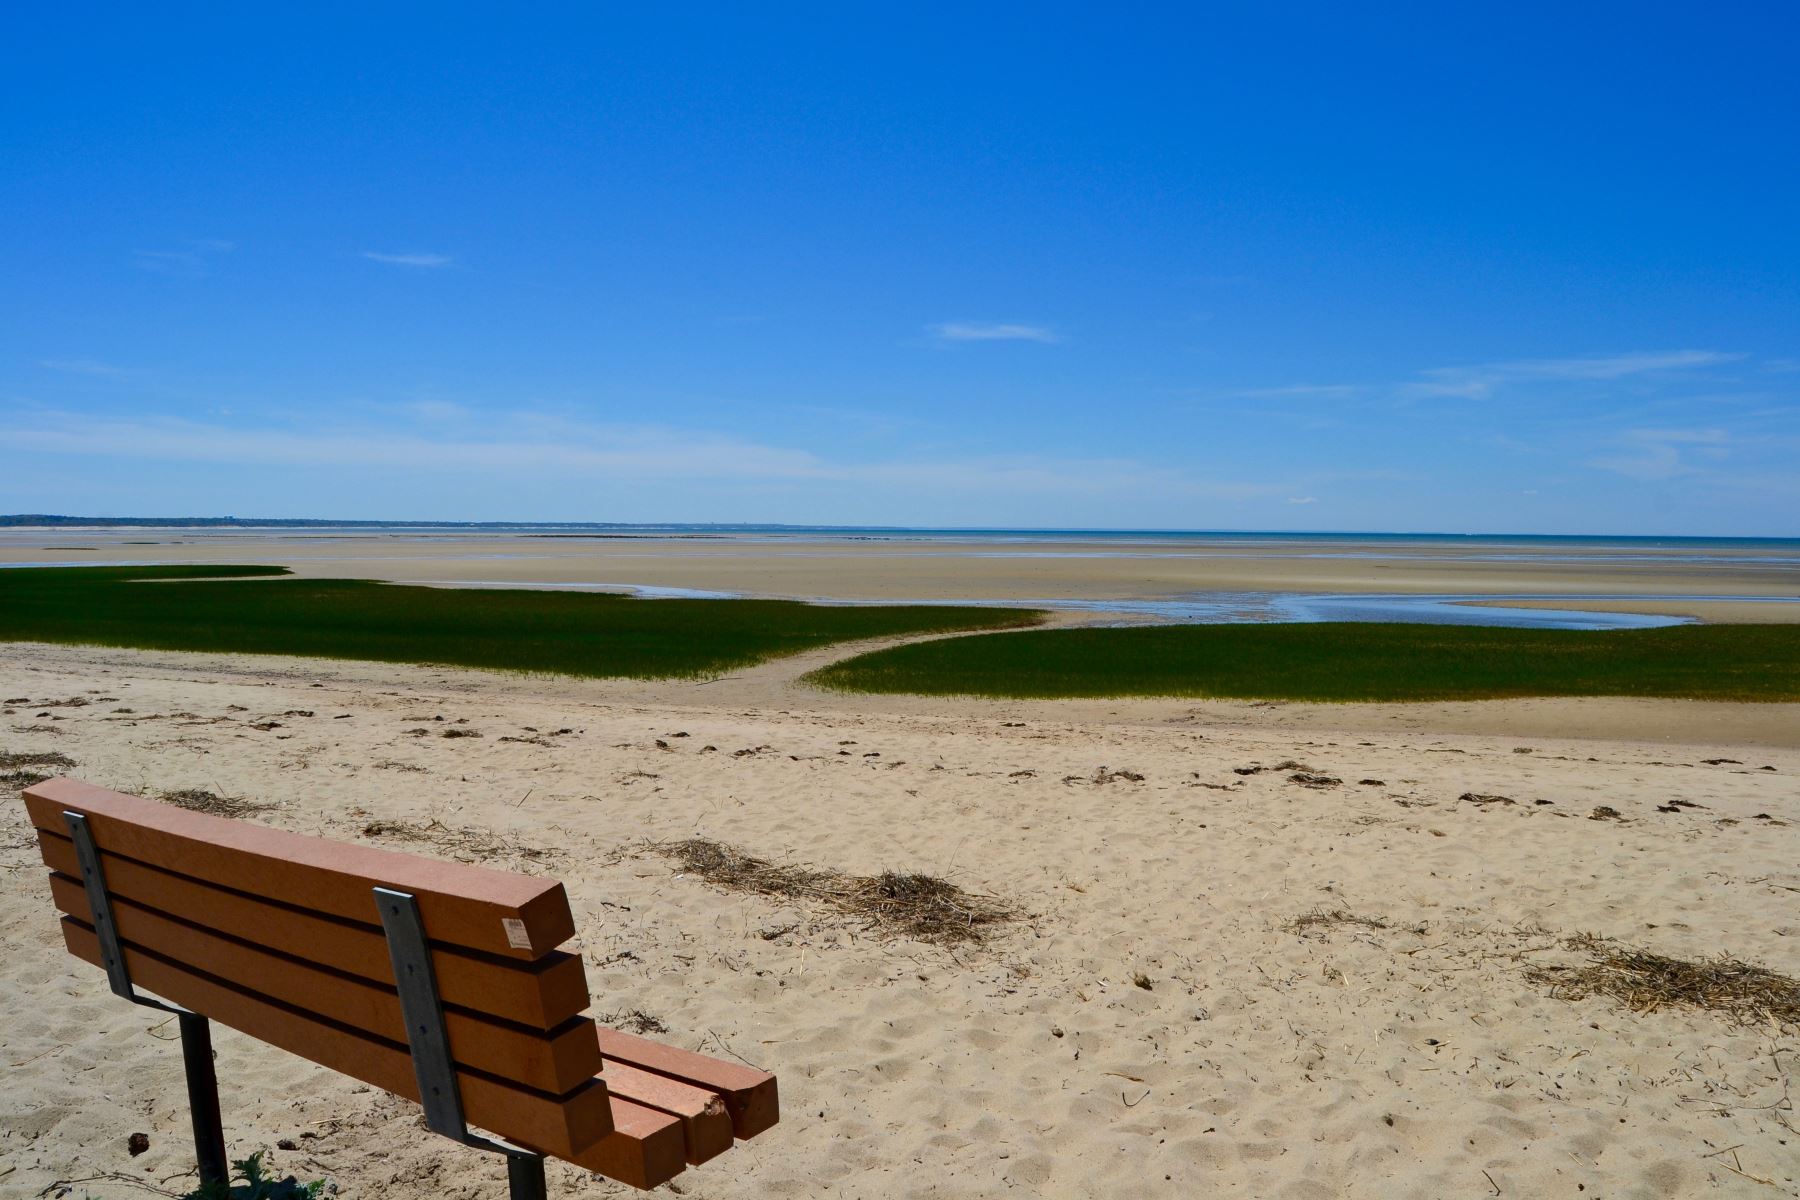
column 1478, row 382
column 1658, row 454
column 83, row 366
column 1304, row 391
column 409, row 260
column 989, row 331
column 1302, row 499
column 539, row 446
column 189, row 261
column 1615, row 366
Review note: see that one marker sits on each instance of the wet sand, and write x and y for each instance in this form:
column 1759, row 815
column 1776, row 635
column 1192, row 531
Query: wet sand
column 896, row 570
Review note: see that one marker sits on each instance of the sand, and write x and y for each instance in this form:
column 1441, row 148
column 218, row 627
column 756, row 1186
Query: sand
column 843, row 569
column 1411, row 1060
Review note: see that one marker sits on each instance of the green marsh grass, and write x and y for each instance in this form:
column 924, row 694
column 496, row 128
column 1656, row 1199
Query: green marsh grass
column 264, row 610
column 1340, row 662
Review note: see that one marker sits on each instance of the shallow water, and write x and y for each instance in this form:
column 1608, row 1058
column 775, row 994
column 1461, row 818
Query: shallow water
column 1262, row 608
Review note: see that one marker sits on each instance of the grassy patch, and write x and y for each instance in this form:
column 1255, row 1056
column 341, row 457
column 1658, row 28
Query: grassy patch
column 1341, row 662
column 259, row 610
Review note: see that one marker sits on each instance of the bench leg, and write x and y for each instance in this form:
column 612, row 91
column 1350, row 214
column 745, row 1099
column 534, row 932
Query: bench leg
column 203, row 1098
column 525, row 1177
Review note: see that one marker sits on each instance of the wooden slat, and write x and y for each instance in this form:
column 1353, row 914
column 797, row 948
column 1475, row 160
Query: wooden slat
column 564, row 1126
column 550, row 1060
column 749, row 1095
column 705, row 1122
column 645, row 1148
column 514, row 916
column 542, row 994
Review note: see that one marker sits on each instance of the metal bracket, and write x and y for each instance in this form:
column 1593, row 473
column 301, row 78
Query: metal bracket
column 423, row 1010
column 93, row 878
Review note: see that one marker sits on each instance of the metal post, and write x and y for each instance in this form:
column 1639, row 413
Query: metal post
column 525, row 1177
column 203, row 1097
column 196, row 1034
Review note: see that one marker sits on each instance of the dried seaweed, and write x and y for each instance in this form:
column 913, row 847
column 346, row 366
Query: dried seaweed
column 35, row 758
column 213, row 804
column 903, row 904
column 1645, row 982
column 1326, row 918
column 466, row 845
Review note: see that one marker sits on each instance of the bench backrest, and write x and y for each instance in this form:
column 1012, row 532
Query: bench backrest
column 278, row 935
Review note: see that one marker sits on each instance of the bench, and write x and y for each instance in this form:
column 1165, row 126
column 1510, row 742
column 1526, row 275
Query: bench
column 437, row 981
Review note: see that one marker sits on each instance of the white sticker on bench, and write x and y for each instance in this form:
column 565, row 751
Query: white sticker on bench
column 516, row 936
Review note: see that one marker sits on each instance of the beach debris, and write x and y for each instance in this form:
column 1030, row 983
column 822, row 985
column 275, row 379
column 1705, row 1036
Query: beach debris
column 265, row 726
column 137, row 1143
column 1104, row 776
column 34, row 758
column 1645, row 982
column 903, row 904
column 1322, row 919
column 1719, row 762
column 1142, row 980
column 213, row 804
column 1606, row 812
column 1313, row 780
column 1371, row 783
column 16, row 772
column 634, row 1020
column 460, row 733
column 1483, row 799
column 464, row 845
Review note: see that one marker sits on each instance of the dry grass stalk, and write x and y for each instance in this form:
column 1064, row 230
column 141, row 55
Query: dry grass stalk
column 903, row 904
column 213, row 804
column 35, row 758
column 1326, row 918
column 465, row 845
column 1645, row 982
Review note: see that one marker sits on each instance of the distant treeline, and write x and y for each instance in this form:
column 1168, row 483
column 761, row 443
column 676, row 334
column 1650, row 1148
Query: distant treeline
column 52, row 520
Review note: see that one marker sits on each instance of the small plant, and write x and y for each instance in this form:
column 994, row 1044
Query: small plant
column 254, row 1185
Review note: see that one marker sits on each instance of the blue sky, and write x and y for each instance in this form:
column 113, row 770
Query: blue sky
column 1468, row 268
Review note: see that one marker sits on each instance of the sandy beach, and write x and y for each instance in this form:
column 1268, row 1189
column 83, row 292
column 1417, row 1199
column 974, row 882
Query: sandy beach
column 1157, row 1025
column 1762, row 582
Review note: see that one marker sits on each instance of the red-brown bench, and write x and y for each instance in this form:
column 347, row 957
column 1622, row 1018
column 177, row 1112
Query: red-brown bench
column 437, row 981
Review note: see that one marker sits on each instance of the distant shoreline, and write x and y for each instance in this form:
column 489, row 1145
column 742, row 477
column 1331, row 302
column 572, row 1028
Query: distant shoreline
column 693, row 529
